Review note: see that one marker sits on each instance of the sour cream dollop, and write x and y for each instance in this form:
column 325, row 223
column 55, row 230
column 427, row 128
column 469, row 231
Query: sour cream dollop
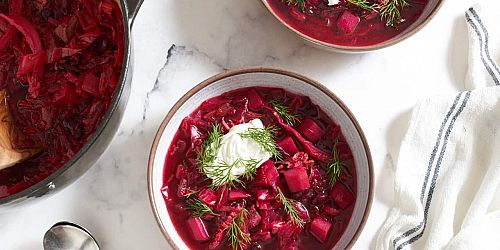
column 234, row 147
column 333, row 2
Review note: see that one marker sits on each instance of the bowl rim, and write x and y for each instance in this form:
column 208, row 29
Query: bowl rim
column 356, row 49
column 247, row 70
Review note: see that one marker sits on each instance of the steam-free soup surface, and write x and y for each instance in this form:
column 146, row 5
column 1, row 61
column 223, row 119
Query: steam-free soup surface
column 301, row 174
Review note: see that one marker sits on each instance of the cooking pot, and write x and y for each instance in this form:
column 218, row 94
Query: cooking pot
column 104, row 133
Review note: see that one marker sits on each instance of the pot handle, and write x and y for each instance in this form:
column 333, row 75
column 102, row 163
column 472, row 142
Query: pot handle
column 133, row 8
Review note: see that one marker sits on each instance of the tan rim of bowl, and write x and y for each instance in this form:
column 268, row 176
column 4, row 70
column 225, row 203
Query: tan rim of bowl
column 355, row 49
column 223, row 75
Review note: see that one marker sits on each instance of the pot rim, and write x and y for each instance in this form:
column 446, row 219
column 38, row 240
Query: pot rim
column 357, row 49
column 246, row 70
column 102, row 125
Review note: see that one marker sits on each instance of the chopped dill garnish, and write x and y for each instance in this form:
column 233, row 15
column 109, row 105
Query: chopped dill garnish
column 264, row 137
column 210, row 146
column 284, row 112
column 221, row 173
column 191, row 192
column 334, row 168
column 199, row 208
column 364, row 4
column 234, row 232
column 290, row 209
column 390, row 11
column 301, row 4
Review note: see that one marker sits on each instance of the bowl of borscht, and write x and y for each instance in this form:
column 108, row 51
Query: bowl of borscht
column 65, row 80
column 353, row 25
column 260, row 158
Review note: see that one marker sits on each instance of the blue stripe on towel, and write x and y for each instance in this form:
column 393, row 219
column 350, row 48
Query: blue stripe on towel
column 435, row 176
column 429, row 168
column 484, row 45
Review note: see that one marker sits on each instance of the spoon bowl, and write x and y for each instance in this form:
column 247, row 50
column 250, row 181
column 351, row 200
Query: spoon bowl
column 69, row 236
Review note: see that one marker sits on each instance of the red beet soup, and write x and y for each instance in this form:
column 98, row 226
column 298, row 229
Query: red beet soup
column 60, row 63
column 296, row 191
column 349, row 22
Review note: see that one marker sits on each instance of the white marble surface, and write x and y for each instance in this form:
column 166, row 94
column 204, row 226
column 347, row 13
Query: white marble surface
column 178, row 43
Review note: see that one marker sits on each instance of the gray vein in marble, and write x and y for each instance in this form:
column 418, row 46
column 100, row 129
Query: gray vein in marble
column 175, row 53
column 156, row 86
column 122, row 133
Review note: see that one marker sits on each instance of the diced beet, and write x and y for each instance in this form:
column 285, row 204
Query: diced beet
column 319, row 199
column 308, row 146
column 179, row 148
column 320, row 229
column 195, row 135
column 198, row 229
column 300, row 160
column 179, row 172
column 222, row 197
column 297, row 179
column 288, row 236
column 267, row 175
column 208, row 196
column 237, row 194
column 254, row 218
column 310, row 130
column 267, row 205
column 348, row 22
column 264, row 195
column 182, row 188
column 255, row 101
column 262, row 235
column 331, row 211
column 270, row 216
column 288, row 145
column 341, row 195
column 302, row 210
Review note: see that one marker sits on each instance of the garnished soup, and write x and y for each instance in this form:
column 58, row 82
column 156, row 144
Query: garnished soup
column 259, row 168
column 349, row 22
column 60, row 63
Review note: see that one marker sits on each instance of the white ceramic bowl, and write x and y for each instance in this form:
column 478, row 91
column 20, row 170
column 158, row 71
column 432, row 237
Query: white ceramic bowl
column 429, row 12
column 267, row 77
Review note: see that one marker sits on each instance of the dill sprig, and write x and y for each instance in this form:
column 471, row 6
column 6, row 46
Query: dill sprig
column 264, row 137
column 290, row 209
column 191, row 192
column 221, row 173
column 199, row 208
column 238, row 238
column 301, row 4
column 210, row 146
column 334, row 168
column 284, row 112
column 390, row 11
column 364, row 4
column 250, row 168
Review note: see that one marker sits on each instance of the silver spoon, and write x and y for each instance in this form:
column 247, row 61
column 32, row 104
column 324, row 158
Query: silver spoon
column 69, row 236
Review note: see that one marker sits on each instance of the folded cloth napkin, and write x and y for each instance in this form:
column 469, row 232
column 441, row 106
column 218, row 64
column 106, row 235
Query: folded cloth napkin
column 447, row 177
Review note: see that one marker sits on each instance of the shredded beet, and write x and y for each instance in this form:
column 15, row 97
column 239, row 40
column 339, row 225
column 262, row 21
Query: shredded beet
column 300, row 174
column 60, row 62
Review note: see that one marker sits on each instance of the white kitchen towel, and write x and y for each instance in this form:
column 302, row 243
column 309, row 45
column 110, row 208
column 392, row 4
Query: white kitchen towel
column 447, row 177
